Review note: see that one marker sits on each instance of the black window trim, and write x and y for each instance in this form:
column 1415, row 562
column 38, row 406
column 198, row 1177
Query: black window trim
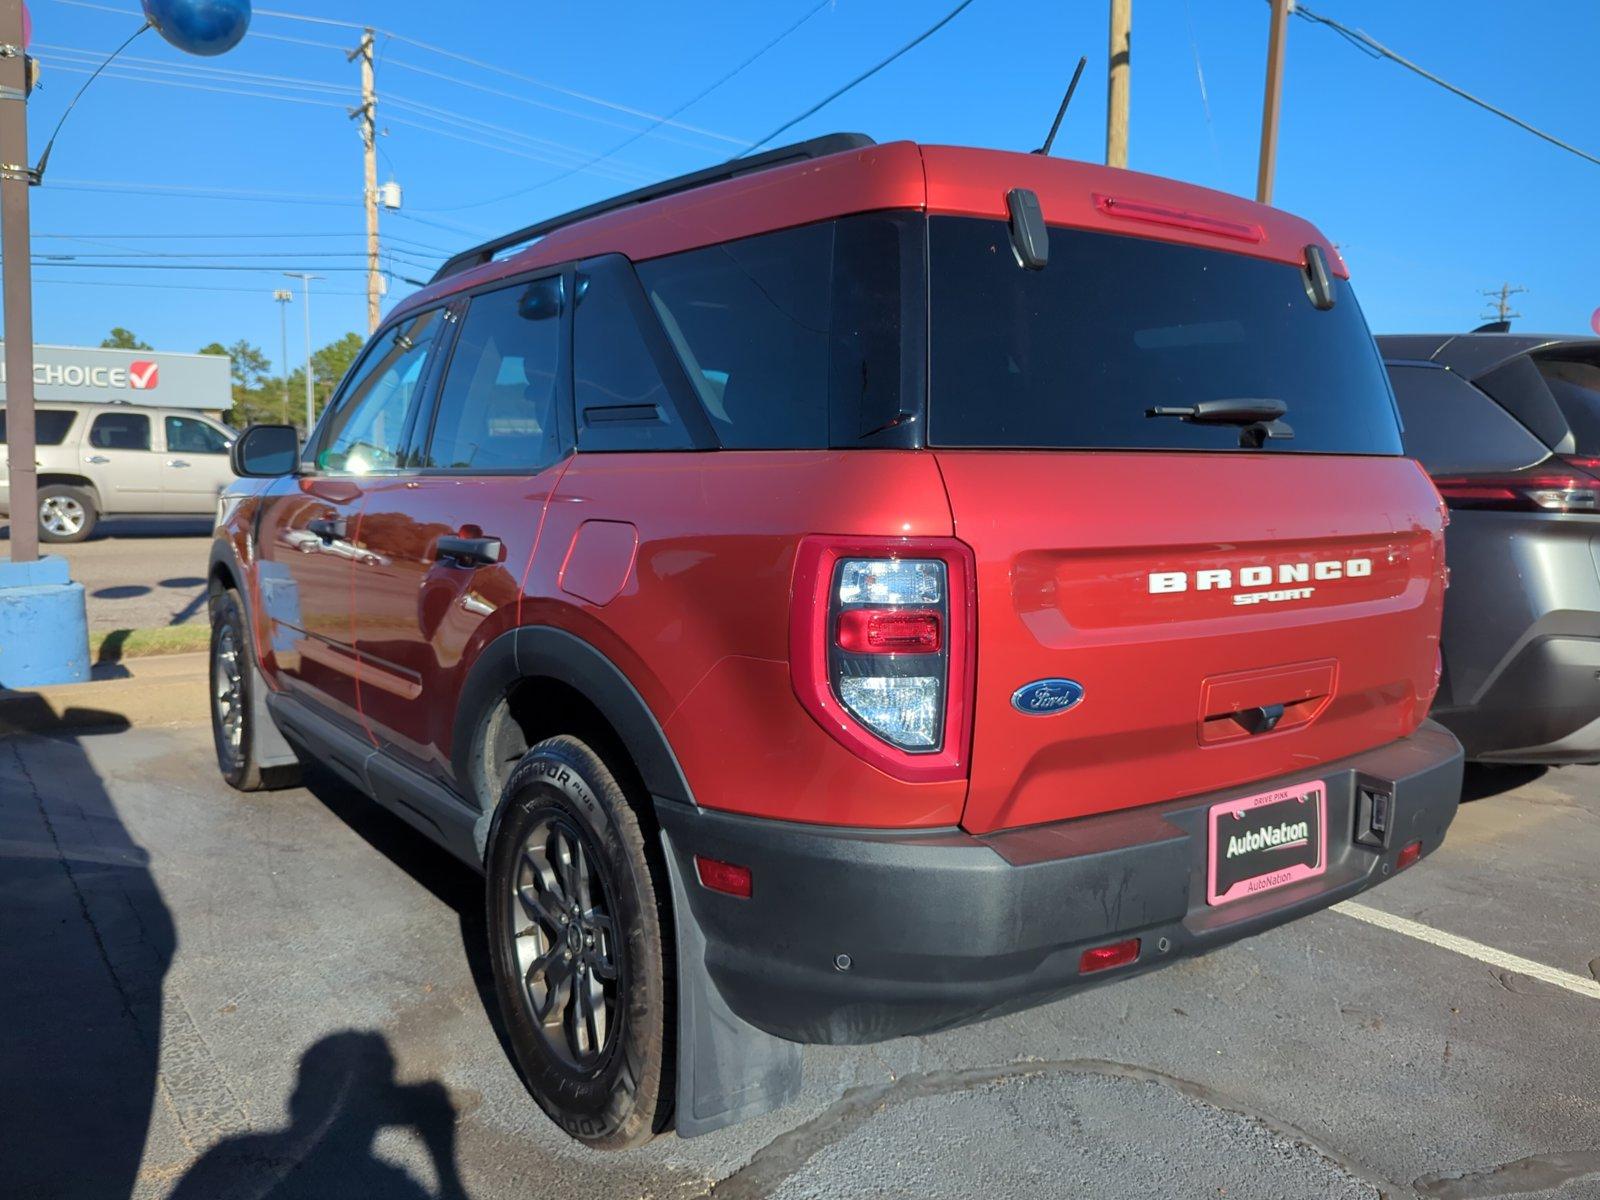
column 457, row 305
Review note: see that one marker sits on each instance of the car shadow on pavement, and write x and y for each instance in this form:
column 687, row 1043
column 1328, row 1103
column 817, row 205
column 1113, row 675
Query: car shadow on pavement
column 86, row 941
column 344, row 1096
column 1483, row 780
column 447, row 879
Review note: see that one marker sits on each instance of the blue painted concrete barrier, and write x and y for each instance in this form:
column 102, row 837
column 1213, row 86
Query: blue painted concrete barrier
column 44, row 629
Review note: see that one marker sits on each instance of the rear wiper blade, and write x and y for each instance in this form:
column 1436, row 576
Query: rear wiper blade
column 1224, row 412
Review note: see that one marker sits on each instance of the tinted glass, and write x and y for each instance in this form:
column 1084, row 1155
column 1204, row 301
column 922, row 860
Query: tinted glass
column 185, row 435
column 1575, row 383
column 622, row 399
column 366, row 429
column 497, row 408
column 793, row 340
column 120, row 431
column 1074, row 355
column 50, row 426
column 1450, row 426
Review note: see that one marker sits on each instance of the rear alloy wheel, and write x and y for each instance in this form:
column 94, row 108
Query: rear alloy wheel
column 66, row 514
column 233, row 680
column 576, row 912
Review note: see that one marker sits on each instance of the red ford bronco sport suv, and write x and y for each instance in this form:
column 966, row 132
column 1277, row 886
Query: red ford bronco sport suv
column 848, row 593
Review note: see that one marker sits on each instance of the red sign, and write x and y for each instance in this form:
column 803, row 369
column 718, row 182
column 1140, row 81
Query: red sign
column 143, row 376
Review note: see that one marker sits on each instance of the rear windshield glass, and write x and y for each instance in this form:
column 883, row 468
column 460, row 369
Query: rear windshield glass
column 1575, row 383
column 50, row 426
column 1074, row 355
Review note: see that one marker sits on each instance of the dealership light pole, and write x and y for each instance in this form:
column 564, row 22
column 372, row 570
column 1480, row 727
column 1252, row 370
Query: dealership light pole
column 305, row 277
column 283, row 296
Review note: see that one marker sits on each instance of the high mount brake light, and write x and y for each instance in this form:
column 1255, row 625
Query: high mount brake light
column 1543, row 488
column 880, row 648
column 1177, row 218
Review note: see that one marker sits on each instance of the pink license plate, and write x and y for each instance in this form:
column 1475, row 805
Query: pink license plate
column 1268, row 841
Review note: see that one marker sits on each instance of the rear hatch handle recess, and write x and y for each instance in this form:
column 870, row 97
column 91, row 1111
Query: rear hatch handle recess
column 1262, row 418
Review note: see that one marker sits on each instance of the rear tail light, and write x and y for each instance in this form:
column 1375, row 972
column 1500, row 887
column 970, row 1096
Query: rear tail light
column 1408, row 855
column 1568, row 485
column 880, row 649
column 887, row 662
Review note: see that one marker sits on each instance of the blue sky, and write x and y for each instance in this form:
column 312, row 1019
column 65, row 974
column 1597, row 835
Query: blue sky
column 1431, row 199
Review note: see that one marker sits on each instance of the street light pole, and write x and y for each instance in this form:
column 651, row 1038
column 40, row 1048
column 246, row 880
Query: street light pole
column 305, row 278
column 15, row 248
column 283, row 296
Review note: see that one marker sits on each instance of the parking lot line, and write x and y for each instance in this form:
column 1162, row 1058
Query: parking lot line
column 1460, row 945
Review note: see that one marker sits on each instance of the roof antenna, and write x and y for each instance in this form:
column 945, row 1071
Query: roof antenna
column 1062, row 111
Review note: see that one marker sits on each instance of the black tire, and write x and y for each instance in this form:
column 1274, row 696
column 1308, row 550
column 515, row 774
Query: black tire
column 233, row 697
column 620, row 1093
column 66, row 514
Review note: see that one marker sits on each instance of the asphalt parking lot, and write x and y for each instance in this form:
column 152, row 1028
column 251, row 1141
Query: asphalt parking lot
column 140, row 574
column 283, row 995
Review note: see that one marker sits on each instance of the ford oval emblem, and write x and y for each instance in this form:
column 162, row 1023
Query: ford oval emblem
column 1045, row 696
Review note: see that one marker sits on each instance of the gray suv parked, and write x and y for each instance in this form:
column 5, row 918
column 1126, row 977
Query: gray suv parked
column 121, row 460
column 1508, row 425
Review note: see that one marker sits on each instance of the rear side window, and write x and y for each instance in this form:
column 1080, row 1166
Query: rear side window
column 120, row 431
column 498, row 407
column 619, row 386
column 1451, row 427
column 50, row 426
column 1575, row 384
column 798, row 339
column 1076, row 354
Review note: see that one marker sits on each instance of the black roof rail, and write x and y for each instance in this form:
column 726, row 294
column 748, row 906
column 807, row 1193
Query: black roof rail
column 833, row 143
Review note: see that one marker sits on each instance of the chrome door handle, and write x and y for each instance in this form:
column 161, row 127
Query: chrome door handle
column 97, row 459
column 177, row 462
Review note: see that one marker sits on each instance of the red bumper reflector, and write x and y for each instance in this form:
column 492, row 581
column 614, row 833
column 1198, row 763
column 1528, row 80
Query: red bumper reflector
column 719, row 876
column 1103, row 958
column 1408, row 855
column 889, row 631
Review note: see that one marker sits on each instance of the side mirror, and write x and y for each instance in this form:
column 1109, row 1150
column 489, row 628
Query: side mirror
column 265, row 452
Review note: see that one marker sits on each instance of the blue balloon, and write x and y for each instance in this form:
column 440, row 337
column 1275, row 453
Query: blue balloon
column 205, row 27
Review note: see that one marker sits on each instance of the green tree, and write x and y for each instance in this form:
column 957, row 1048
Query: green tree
column 124, row 339
column 257, row 394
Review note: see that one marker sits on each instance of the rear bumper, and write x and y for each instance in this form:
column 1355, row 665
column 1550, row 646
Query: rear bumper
column 941, row 928
column 1543, row 706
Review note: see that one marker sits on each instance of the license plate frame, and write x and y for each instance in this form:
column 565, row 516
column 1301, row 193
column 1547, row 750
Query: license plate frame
column 1239, row 829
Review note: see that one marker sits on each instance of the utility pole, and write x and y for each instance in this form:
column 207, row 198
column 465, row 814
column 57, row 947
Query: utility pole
column 1277, row 38
column 1501, row 296
column 15, row 247
column 283, row 296
column 368, row 115
column 1117, row 83
column 305, row 278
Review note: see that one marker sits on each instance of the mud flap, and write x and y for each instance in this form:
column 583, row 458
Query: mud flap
column 271, row 748
column 728, row 1070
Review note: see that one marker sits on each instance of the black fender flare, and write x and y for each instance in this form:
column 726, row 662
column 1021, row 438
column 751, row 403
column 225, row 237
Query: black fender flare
column 544, row 652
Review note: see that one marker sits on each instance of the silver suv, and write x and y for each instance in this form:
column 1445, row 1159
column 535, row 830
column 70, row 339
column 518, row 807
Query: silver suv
column 121, row 460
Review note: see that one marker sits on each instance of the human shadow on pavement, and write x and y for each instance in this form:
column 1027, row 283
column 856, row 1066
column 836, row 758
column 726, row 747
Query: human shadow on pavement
column 344, row 1097
column 85, row 942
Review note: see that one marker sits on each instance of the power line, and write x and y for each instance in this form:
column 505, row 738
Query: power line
column 864, row 76
column 1377, row 49
column 167, row 287
column 648, row 129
